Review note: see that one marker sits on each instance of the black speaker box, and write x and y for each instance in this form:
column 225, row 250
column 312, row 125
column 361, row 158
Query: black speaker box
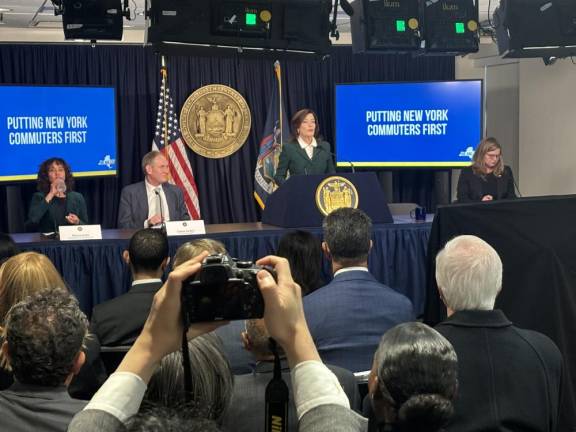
column 92, row 19
column 536, row 28
column 295, row 25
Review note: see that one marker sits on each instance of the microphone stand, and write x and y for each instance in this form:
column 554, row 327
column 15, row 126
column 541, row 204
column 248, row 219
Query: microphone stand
column 162, row 224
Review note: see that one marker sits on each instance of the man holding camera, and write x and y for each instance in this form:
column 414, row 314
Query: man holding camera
column 315, row 387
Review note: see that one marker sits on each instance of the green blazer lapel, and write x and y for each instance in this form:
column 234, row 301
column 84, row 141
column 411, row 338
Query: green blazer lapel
column 300, row 151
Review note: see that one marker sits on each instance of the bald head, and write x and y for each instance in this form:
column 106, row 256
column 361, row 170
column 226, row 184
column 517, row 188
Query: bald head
column 469, row 274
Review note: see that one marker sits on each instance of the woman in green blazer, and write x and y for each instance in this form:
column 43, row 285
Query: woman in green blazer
column 56, row 203
column 306, row 153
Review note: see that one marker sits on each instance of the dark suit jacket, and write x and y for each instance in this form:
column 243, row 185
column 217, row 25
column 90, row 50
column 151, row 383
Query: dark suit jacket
column 41, row 216
column 241, row 361
column 509, row 378
column 471, row 186
column 133, row 208
column 295, row 160
column 348, row 317
column 120, row 320
column 247, row 407
column 28, row 408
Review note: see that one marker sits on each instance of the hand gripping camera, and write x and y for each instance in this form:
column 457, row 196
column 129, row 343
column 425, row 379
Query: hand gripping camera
column 223, row 290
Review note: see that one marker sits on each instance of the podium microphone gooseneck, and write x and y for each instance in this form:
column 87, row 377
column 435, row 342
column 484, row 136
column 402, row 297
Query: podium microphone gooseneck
column 162, row 224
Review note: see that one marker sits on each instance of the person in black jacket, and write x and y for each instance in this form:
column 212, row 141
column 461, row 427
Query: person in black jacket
column 487, row 179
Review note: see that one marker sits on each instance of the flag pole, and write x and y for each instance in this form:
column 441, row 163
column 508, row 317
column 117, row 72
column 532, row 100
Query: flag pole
column 164, row 73
column 279, row 78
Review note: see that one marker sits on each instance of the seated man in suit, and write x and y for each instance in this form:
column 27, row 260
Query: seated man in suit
column 120, row 320
column 348, row 316
column 153, row 201
column 509, row 378
column 43, row 339
column 247, row 408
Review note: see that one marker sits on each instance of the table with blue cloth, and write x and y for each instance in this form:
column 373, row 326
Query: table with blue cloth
column 95, row 272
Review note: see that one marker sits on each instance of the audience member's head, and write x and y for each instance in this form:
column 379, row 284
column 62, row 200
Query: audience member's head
column 7, row 247
column 256, row 339
column 303, row 251
column 43, row 338
column 212, row 380
column 148, row 253
column 25, row 274
column 469, row 274
column 193, row 248
column 169, row 419
column 414, row 379
column 347, row 237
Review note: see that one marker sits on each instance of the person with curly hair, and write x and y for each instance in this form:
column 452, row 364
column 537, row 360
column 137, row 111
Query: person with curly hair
column 56, row 203
column 43, row 340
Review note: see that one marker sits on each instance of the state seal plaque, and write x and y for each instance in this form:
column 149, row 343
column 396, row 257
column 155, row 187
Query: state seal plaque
column 336, row 192
column 215, row 121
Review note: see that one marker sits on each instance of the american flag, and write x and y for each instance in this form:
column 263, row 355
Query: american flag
column 168, row 140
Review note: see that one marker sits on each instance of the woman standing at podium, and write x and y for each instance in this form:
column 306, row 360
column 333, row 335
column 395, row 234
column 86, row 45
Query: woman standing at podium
column 56, row 203
column 487, row 179
column 306, row 153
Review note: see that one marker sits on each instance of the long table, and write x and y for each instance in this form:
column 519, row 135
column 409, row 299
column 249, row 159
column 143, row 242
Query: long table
column 95, row 272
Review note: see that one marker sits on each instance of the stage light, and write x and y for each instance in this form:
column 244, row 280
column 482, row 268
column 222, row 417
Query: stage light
column 381, row 26
column 450, row 26
column 287, row 25
column 92, row 19
column 530, row 28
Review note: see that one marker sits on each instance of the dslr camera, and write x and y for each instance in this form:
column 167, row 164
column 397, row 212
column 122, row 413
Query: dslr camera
column 224, row 289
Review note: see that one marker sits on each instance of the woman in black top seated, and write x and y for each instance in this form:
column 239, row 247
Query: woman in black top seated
column 487, row 179
column 55, row 203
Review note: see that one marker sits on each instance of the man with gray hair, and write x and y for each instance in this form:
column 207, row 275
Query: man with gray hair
column 153, row 201
column 348, row 316
column 43, row 338
column 509, row 378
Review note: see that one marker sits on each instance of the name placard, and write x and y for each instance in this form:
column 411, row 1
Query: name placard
column 183, row 228
column 80, row 232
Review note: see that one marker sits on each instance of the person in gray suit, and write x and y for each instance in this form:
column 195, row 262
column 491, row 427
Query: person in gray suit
column 153, row 201
column 348, row 316
column 43, row 338
column 247, row 408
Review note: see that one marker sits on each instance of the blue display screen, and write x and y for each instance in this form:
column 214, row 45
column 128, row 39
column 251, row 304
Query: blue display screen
column 77, row 124
column 430, row 124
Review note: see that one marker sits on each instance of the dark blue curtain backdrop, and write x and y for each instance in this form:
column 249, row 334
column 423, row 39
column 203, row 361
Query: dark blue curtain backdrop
column 225, row 185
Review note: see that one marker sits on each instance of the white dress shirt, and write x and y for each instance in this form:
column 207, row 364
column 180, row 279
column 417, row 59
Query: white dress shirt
column 153, row 208
column 308, row 148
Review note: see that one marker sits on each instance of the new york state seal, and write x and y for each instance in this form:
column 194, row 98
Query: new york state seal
column 215, row 121
column 336, row 192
